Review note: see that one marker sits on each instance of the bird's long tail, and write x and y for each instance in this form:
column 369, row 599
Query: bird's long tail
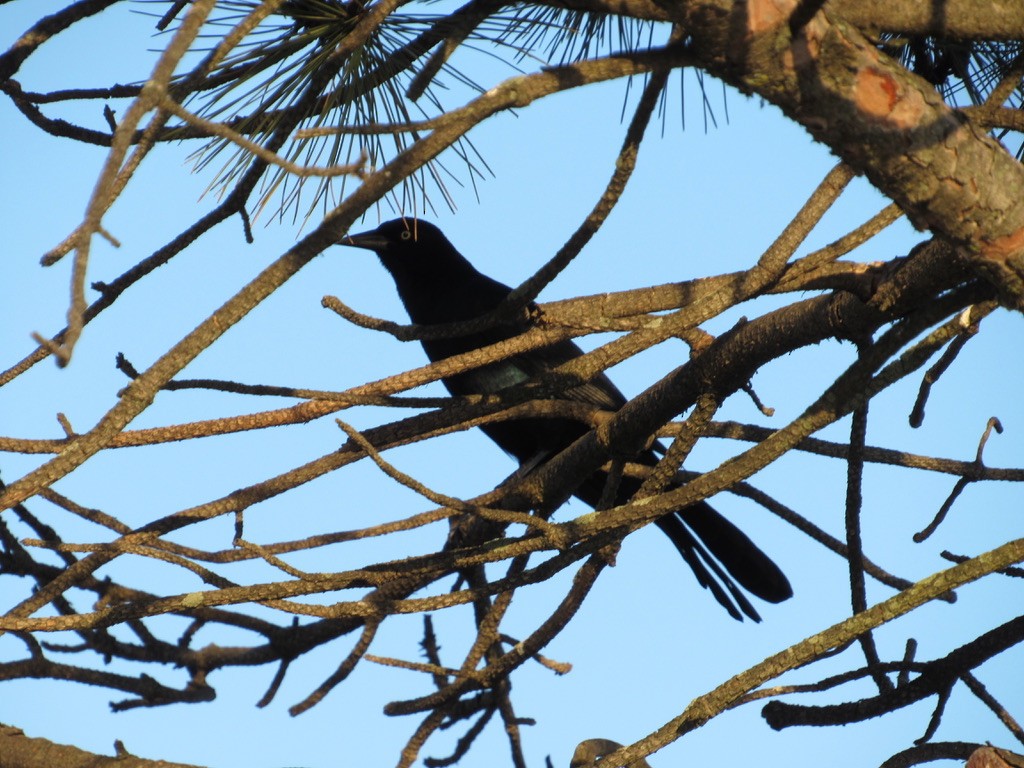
column 722, row 557
column 722, row 550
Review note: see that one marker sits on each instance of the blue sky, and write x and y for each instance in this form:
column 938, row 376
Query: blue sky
column 647, row 641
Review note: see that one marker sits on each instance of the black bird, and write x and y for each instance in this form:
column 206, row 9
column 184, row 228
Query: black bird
column 438, row 285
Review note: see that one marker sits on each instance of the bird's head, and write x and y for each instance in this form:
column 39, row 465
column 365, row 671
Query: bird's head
column 400, row 240
column 435, row 282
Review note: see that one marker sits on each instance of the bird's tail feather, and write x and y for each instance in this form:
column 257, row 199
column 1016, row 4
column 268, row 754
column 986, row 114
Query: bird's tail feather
column 752, row 568
column 709, row 573
column 722, row 557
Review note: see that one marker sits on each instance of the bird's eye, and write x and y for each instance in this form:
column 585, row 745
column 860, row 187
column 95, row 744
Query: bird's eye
column 406, row 234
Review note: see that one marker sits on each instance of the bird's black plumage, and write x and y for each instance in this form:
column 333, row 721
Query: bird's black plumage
column 438, row 285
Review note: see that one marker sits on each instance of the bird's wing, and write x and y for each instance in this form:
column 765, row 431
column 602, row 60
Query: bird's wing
column 599, row 391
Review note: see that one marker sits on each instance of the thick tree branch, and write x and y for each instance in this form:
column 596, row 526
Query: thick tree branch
column 948, row 175
column 960, row 19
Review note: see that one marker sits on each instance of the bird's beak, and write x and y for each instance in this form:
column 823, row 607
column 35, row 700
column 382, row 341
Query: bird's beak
column 370, row 240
